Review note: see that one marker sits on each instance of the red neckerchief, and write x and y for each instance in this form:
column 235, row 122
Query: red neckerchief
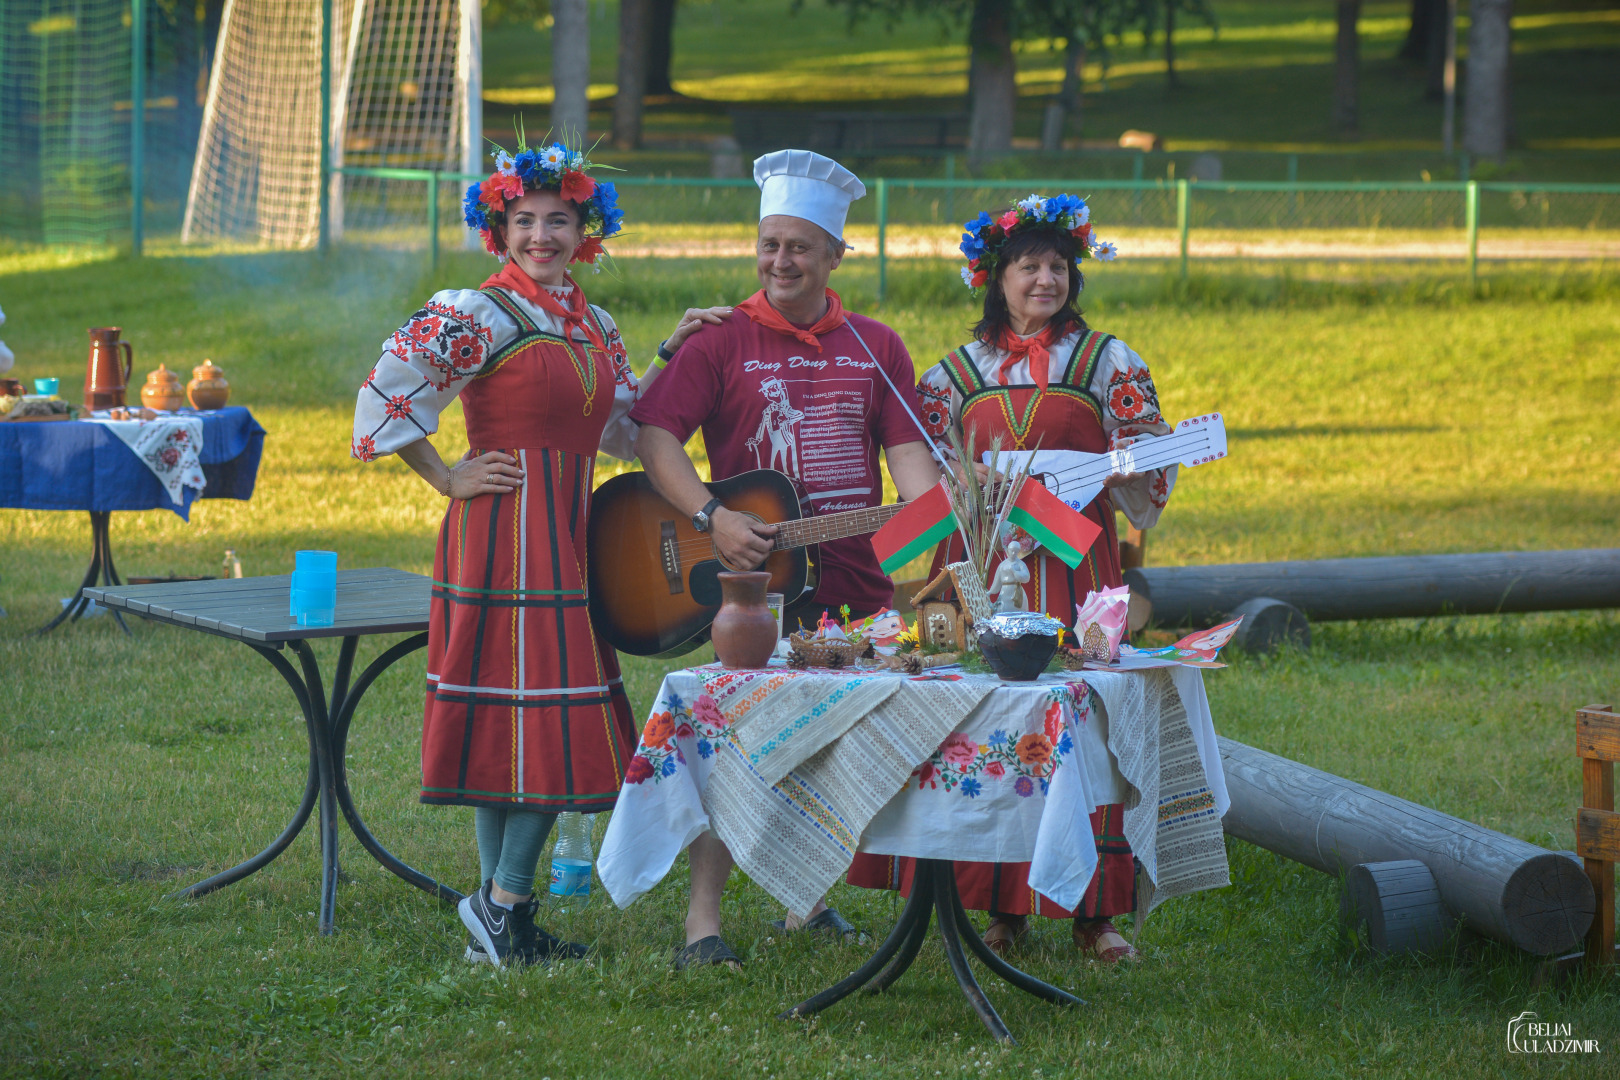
column 758, row 308
column 1034, row 349
column 512, row 278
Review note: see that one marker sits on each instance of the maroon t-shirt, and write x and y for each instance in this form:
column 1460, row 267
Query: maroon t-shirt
column 768, row 401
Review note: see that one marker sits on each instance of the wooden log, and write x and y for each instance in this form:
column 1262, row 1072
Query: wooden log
column 1268, row 623
column 1500, row 886
column 1398, row 903
column 1387, row 588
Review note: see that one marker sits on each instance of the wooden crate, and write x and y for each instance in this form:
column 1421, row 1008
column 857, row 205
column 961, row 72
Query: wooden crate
column 1597, row 826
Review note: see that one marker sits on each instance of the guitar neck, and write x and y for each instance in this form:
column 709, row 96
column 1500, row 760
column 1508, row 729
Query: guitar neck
column 819, row 530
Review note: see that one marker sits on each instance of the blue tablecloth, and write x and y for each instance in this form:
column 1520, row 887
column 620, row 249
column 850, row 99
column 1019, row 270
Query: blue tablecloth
column 79, row 465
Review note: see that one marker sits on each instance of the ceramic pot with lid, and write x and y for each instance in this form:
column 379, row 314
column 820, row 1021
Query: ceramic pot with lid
column 162, row 390
column 208, row 388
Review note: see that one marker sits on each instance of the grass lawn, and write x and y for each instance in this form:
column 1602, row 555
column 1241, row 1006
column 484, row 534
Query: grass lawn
column 1373, row 410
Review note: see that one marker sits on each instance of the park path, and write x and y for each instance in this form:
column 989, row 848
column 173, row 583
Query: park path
column 1163, row 244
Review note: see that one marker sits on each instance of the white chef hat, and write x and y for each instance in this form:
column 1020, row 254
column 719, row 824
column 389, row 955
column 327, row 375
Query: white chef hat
column 804, row 184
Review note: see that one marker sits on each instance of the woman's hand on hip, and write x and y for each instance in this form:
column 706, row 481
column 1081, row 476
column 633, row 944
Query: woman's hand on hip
column 492, row 473
column 694, row 320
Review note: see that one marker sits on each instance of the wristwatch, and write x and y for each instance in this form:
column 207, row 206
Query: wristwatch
column 663, row 351
column 700, row 520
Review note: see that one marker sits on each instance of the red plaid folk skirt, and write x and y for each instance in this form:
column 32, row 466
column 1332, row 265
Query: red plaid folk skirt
column 1004, row 887
column 524, row 706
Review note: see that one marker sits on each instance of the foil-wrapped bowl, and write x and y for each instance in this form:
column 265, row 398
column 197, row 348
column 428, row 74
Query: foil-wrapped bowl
column 1018, row 644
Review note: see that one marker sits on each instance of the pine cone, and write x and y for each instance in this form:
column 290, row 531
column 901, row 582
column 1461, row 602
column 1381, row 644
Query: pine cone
column 835, row 659
column 797, row 660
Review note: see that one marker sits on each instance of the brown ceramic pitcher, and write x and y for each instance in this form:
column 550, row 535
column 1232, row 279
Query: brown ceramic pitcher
column 105, row 378
column 744, row 632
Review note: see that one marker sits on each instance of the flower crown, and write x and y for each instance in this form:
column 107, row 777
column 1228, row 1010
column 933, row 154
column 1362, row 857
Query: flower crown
column 985, row 236
column 548, row 168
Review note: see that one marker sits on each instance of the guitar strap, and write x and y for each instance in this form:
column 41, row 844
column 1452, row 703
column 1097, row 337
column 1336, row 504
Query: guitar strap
column 933, row 447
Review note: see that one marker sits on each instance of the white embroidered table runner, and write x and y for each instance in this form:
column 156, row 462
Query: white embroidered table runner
column 171, row 447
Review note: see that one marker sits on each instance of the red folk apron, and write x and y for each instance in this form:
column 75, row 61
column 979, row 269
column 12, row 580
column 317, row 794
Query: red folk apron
column 524, row 706
column 1064, row 416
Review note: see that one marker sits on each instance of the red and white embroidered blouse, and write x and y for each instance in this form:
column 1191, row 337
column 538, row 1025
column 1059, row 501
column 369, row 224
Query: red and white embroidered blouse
column 429, row 360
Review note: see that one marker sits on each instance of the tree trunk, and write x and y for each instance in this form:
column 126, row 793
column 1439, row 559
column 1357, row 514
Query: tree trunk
column 1434, row 58
column 992, row 79
column 1347, row 59
column 632, row 73
column 1170, row 78
column 1485, row 100
column 1420, row 32
column 660, row 47
column 570, row 69
column 1067, row 103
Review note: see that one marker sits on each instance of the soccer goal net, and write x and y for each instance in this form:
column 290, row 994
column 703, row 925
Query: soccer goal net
column 404, row 94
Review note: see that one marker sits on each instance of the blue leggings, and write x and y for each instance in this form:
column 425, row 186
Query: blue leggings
column 509, row 843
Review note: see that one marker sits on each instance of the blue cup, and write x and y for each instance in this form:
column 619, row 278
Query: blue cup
column 47, row 386
column 312, row 598
column 314, row 607
column 315, row 560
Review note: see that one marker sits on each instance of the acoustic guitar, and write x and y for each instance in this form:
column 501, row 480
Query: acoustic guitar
column 653, row 579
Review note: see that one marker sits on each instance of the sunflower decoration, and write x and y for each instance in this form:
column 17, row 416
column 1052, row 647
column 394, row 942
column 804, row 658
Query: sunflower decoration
column 557, row 168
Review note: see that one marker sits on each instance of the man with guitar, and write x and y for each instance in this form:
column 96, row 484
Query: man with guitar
column 785, row 378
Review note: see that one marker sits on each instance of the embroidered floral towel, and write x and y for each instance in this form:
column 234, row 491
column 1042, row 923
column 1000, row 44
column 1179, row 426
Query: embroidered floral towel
column 171, row 447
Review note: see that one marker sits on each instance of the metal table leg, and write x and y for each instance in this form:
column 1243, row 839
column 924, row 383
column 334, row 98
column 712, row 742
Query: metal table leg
column 101, row 565
column 342, row 715
column 933, row 892
column 327, row 725
column 311, row 792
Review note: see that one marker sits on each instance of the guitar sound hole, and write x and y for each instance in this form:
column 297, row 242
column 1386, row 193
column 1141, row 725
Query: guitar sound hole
column 703, row 583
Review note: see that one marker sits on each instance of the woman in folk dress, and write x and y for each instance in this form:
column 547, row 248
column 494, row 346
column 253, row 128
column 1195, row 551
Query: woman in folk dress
column 1034, row 373
column 526, row 714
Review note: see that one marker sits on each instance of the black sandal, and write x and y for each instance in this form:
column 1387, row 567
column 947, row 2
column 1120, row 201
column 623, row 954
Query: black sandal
column 829, row 923
column 709, row 950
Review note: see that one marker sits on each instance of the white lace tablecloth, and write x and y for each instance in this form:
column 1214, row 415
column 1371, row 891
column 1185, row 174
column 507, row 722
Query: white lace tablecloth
column 796, row 771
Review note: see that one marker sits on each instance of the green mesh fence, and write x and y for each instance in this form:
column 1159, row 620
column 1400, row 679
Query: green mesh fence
column 65, row 113
column 909, row 218
column 63, row 69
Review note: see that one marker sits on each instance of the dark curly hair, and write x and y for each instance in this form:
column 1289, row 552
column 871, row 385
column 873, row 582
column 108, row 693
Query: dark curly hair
column 1032, row 242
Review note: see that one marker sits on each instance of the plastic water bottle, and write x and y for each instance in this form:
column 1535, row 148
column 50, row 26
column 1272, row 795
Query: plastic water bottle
column 571, row 857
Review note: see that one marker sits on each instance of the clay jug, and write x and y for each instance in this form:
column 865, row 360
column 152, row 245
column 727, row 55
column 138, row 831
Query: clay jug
column 162, row 390
column 744, row 632
column 105, row 378
column 208, row 388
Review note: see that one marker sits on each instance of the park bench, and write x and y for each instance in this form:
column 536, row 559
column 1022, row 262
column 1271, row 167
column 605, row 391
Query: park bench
column 834, row 132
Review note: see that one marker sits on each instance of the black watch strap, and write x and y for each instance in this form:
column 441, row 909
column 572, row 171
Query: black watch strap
column 663, row 351
column 710, row 507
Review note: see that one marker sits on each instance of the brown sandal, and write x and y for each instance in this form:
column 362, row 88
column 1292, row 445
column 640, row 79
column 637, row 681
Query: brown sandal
column 1004, row 932
column 1088, row 935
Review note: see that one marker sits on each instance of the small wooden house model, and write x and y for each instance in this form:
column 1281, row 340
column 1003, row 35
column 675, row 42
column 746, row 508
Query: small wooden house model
column 947, row 624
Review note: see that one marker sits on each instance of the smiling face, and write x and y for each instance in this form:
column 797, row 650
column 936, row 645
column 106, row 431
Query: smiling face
column 542, row 230
column 1036, row 285
column 795, row 259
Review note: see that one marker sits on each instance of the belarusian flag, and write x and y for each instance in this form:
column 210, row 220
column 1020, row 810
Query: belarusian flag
column 922, row 524
column 1066, row 532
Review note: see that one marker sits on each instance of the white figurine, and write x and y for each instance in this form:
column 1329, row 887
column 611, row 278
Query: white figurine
column 1011, row 577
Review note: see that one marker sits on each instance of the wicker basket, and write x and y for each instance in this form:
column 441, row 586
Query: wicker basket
column 828, row 654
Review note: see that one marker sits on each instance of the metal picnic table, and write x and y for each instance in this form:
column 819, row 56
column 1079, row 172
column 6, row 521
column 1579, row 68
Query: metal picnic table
column 379, row 600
